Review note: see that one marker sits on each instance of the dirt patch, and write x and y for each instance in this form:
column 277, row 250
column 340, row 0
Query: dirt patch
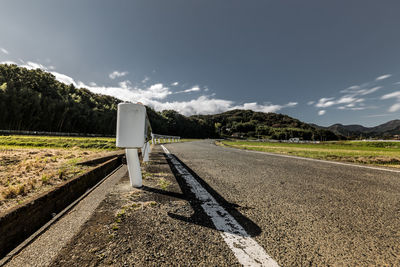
column 25, row 173
column 152, row 226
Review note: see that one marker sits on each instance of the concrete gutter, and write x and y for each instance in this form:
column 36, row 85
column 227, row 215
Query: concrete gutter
column 20, row 222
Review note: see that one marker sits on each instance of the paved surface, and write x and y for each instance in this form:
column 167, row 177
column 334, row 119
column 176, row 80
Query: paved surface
column 300, row 212
column 303, row 212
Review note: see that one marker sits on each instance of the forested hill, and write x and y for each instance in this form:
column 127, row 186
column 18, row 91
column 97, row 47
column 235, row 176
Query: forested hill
column 34, row 100
column 248, row 123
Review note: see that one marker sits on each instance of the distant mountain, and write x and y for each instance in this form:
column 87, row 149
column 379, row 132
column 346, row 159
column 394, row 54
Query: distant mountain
column 386, row 127
column 385, row 130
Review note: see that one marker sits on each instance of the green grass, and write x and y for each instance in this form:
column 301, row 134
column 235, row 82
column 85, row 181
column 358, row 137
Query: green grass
column 372, row 153
column 57, row 142
column 164, row 184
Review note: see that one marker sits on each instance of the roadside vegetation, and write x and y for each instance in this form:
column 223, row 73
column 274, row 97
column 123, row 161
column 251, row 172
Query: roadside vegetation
column 372, row 153
column 30, row 165
column 57, row 142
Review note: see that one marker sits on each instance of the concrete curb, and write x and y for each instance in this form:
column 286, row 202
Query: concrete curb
column 102, row 159
column 20, row 222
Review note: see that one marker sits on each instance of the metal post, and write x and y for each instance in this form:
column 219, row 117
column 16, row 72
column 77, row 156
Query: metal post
column 145, row 152
column 148, row 150
column 132, row 161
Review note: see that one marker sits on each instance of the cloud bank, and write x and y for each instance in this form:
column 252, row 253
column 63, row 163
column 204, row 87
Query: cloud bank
column 156, row 95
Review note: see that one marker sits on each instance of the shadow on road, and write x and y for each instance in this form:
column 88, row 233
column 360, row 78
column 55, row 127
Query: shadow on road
column 163, row 192
column 199, row 217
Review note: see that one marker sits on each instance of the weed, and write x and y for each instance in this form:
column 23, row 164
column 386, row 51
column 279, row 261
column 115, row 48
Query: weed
column 121, row 213
column 45, row 179
column 146, row 175
column 163, row 183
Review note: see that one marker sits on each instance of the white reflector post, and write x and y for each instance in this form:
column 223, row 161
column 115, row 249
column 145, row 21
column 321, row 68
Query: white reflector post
column 145, row 152
column 132, row 160
column 131, row 121
column 131, row 131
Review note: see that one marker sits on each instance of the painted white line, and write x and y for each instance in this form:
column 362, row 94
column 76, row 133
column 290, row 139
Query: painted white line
column 247, row 250
column 311, row 159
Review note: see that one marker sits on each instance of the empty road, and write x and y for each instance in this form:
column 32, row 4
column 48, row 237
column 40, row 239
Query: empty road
column 303, row 212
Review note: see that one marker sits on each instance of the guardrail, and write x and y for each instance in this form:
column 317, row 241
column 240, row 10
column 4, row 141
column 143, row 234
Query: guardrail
column 156, row 138
column 134, row 132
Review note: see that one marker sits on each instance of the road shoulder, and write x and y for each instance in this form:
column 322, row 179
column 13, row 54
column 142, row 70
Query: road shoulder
column 153, row 225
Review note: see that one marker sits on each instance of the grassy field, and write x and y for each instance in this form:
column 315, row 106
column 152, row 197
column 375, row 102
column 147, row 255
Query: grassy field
column 32, row 164
column 372, row 153
column 57, row 142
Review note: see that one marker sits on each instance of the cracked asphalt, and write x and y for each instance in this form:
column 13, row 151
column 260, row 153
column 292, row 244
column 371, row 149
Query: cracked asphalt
column 303, row 212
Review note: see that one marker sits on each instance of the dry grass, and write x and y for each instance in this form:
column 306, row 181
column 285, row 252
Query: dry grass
column 27, row 172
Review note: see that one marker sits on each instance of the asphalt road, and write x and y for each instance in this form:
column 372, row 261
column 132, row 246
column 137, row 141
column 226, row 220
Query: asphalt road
column 303, row 212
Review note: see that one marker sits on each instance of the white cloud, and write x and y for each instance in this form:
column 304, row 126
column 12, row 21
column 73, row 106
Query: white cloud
column 64, row 78
column 377, row 115
column 391, row 95
column 4, row 50
column 125, row 84
column 201, row 105
column 396, row 106
column 310, row 103
column 325, row 102
column 369, row 91
column 382, row 77
column 321, row 112
column 92, row 84
column 146, row 79
column 9, row 62
column 193, row 89
column 33, row 65
column 117, row 74
column 175, row 83
column 264, row 108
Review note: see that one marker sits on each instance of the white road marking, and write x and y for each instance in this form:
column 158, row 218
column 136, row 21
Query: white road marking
column 311, row 159
column 247, row 250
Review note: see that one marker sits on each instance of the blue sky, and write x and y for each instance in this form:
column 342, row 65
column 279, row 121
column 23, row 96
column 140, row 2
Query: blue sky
column 318, row 61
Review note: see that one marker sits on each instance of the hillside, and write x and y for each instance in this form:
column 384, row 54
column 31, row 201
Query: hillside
column 248, row 123
column 385, row 130
column 34, row 100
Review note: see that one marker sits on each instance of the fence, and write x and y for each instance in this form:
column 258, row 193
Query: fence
column 17, row 132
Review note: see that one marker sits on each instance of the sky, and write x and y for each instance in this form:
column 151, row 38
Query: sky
column 319, row 61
